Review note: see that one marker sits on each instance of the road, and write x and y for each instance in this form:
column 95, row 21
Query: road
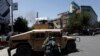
column 3, row 52
column 88, row 46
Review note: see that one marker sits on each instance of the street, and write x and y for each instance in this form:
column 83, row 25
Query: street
column 88, row 46
column 3, row 52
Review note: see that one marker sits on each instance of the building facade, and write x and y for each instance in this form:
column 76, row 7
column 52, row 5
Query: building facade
column 74, row 7
column 61, row 20
column 93, row 15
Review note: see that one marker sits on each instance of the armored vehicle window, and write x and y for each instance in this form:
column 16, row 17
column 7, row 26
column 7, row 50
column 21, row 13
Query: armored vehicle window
column 42, row 35
column 58, row 34
column 38, row 35
column 55, row 34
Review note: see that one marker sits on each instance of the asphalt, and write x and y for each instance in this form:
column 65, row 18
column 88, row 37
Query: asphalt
column 88, row 46
column 3, row 52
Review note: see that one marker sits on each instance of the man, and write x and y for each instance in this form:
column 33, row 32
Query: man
column 49, row 46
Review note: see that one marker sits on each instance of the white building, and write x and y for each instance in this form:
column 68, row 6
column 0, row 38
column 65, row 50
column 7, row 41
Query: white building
column 73, row 7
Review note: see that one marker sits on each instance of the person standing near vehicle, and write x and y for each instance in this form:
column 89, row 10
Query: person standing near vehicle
column 50, row 46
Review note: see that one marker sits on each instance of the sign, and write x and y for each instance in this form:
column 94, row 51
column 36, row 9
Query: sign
column 9, row 1
column 4, row 11
column 1, row 1
column 15, row 6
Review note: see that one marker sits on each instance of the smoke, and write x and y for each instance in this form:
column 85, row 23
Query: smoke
column 30, row 17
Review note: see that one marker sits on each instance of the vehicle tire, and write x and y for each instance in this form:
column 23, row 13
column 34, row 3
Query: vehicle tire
column 24, row 50
column 71, row 46
column 57, row 51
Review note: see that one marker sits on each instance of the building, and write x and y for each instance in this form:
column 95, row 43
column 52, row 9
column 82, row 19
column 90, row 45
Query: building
column 74, row 7
column 93, row 15
column 63, row 17
column 61, row 20
column 4, row 15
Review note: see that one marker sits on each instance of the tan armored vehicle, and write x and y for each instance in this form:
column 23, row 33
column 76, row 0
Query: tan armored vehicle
column 33, row 40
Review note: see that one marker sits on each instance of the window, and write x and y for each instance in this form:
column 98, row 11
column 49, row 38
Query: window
column 38, row 35
column 55, row 34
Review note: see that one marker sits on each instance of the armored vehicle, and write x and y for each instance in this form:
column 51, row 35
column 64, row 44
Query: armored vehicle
column 35, row 39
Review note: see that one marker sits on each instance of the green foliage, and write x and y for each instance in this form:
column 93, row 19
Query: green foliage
column 78, row 21
column 85, row 16
column 20, row 25
column 74, row 22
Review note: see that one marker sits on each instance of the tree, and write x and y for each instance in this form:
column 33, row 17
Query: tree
column 74, row 22
column 85, row 16
column 20, row 25
column 78, row 21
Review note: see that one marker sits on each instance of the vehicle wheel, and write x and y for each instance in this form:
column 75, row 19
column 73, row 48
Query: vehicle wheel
column 71, row 46
column 24, row 50
column 57, row 51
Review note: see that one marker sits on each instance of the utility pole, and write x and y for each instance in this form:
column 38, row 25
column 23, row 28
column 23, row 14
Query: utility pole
column 11, row 9
column 37, row 15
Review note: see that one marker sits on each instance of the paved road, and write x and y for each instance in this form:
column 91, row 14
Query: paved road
column 3, row 52
column 88, row 46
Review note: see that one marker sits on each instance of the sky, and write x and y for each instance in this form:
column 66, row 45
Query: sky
column 49, row 8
